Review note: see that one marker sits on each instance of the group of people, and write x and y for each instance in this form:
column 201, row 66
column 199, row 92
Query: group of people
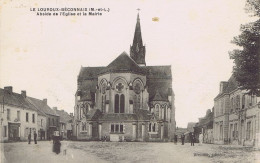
column 192, row 139
column 56, row 141
column 34, row 138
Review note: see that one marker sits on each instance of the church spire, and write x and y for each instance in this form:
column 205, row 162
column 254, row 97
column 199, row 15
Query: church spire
column 137, row 50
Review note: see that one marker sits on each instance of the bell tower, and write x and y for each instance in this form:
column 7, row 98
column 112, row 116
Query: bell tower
column 137, row 49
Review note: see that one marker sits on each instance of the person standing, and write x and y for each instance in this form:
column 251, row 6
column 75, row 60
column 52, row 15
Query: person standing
column 175, row 139
column 201, row 138
column 35, row 137
column 182, row 139
column 56, row 142
column 29, row 138
column 192, row 139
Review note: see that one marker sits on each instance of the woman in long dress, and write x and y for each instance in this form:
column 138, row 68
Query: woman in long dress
column 56, row 142
column 200, row 138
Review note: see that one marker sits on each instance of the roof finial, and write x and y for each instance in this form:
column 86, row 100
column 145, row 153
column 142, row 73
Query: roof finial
column 138, row 14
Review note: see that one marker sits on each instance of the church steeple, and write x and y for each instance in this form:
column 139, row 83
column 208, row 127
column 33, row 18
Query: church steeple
column 137, row 50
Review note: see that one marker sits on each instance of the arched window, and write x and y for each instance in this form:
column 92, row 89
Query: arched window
column 157, row 109
column 119, row 103
column 163, row 113
column 137, row 101
column 84, row 109
column 150, row 127
column 154, row 127
column 103, row 103
column 238, row 101
column 122, row 103
column 243, row 101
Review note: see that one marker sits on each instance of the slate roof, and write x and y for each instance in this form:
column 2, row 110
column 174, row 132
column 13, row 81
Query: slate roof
column 231, row 85
column 190, row 126
column 159, row 78
column 87, row 95
column 64, row 116
column 40, row 105
column 89, row 72
column 207, row 120
column 93, row 114
column 15, row 99
column 158, row 72
column 123, row 63
column 157, row 97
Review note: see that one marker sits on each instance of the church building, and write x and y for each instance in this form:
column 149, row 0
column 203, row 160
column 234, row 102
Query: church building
column 126, row 100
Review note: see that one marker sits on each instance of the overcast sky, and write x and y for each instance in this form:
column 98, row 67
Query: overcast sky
column 43, row 54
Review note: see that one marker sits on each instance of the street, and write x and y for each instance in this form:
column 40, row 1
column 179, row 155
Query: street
column 126, row 152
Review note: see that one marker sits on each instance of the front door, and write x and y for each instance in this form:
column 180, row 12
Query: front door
column 14, row 131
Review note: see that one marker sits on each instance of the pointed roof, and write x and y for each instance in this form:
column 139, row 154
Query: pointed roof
column 123, row 63
column 157, row 97
column 138, row 34
column 93, row 114
column 230, row 86
column 15, row 99
column 87, row 95
column 137, row 50
column 64, row 116
column 42, row 106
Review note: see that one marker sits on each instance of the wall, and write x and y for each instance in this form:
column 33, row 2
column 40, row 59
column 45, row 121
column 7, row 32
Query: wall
column 42, row 126
column 24, row 126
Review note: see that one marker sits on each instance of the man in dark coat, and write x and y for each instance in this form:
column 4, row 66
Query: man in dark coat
column 175, row 139
column 29, row 138
column 182, row 139
column 192, row 139
column 35, row 137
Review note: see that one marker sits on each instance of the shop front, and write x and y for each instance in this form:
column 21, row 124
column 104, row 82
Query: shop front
column 14, row 131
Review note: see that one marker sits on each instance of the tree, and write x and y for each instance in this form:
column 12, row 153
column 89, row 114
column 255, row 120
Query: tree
column 247, row 58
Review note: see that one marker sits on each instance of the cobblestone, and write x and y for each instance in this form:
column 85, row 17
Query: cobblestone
column 126, row 152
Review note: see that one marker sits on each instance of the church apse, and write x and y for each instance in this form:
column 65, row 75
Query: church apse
column 125, row 100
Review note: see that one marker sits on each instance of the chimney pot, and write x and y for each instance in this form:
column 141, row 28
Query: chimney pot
column 222, row 86
column 45, row 101
column 23, row 93
column 9, row 89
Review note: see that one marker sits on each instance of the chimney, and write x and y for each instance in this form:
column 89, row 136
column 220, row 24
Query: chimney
column 223, row 86
column 9, row 89
column 45, row 101
column 55, row 108
column 23, row 93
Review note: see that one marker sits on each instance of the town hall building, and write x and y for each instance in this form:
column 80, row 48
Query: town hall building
column 126, row 100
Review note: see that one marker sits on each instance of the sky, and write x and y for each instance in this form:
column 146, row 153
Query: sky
column 43, row 54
